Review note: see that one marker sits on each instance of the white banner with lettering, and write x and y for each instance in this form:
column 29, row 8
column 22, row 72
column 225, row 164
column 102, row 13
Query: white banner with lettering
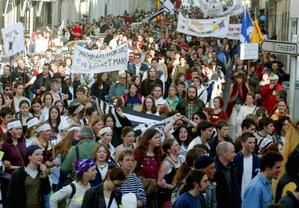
column 87, row 61
column 220, row 9
column 217, row 27
column 249, row 51
column 13, row 39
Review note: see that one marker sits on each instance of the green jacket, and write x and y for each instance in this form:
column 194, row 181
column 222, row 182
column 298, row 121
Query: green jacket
column 85, row 149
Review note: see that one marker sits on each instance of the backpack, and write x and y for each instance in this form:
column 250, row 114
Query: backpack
column 177, row 191
column 62, row 203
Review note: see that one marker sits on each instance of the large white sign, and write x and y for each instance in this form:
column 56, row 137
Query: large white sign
column 218, row 9
column 281, row 47
column 13, row 39
column 249, row 51
column 87, row 61
column 217, row 27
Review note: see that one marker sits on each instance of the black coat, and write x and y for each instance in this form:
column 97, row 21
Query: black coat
column 289, row 201
column 226, row 191
column 16, row 196
column 94, row 197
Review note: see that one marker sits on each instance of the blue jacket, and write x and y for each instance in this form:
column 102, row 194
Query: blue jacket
column 239, row 159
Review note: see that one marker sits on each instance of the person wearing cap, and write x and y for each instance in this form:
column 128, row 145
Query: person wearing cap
column 14, row 146
column 30, row 135
column 106, row 138
column 74, row 193
column 44, row 132
column 29, row 184
column 207, row 165
column 106, row 194
column 268, row 93
column 82, row 150
column 247, row 163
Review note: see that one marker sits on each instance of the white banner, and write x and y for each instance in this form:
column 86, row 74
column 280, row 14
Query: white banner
column 87, row 61
column 217, row 27
column 13, row 39
column 234, row 31
column 249, row 51
column 220, row 9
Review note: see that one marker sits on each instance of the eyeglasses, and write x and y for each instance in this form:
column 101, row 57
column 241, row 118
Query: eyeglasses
column 8, row 89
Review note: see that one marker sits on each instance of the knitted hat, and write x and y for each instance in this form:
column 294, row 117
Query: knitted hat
column 203, row 162
column 265, row 143
column 273, row 77
column 32, row 148
column 82, row 166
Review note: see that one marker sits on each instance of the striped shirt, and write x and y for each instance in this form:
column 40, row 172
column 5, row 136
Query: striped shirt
column 133, row 185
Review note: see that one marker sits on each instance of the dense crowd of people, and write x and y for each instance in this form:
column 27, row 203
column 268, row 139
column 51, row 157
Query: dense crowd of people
column 221, row 148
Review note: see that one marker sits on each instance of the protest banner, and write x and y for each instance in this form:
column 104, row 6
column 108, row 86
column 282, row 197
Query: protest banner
column 87, row 61
column 13, row 39
column 234, row 31
column 220, row 9
column 249, row 51
column 217, row 27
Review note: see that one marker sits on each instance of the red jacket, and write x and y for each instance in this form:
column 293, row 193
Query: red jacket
column 269, row 97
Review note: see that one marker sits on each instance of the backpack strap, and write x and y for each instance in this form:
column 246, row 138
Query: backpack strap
column 72, row 194
column 77, row 152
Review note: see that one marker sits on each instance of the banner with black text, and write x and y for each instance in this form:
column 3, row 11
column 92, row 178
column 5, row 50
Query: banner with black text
column 87, row 61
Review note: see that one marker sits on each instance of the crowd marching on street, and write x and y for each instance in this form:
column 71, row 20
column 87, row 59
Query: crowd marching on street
column 185, row 124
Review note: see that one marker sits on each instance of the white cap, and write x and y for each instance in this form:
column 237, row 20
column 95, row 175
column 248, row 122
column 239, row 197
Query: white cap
column 32, row 122
column 105, row 130
column 14, row 124
column 44, row 127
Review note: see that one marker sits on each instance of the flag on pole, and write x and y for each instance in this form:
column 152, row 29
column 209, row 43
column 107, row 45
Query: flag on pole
column 256, row 35
column 246, row 28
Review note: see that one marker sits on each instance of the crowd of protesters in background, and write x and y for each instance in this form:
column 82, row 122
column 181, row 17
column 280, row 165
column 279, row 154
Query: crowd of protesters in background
column 222, row 146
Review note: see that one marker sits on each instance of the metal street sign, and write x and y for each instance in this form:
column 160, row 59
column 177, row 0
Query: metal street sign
column 282, row 47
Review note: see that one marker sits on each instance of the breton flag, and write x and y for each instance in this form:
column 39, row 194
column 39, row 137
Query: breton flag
column 246, row 28
column 256, row 35
column 140, row 121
